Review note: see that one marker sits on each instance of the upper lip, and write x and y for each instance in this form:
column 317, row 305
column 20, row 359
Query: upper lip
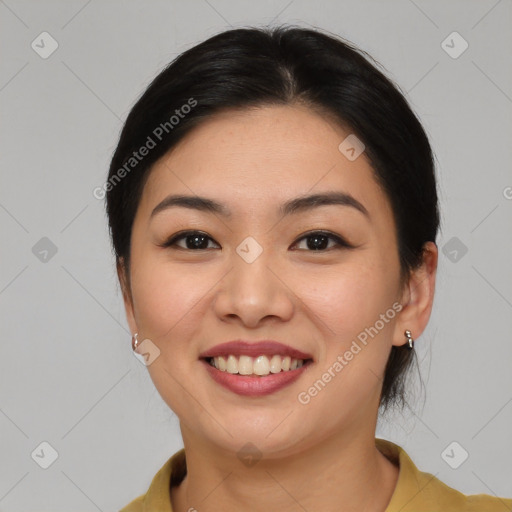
column 254, row 349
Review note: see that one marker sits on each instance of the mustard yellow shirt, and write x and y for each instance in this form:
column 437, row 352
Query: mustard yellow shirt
column 415, row 490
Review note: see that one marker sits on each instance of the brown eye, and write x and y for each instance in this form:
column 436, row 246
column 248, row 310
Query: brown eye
column 193, row 240
column 319, row 241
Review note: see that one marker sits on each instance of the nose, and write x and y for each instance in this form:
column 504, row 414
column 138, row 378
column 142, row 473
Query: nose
column 254, row 293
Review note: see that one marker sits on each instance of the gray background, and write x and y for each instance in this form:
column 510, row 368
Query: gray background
column 67, row 373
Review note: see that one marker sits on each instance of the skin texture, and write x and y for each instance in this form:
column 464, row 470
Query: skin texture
column 320, row 456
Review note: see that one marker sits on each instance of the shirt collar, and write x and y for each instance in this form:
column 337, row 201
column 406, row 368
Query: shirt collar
column 413, row 487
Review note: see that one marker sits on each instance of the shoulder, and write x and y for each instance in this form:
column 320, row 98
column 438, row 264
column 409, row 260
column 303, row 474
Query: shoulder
column 158, row 496
column 445, row 498
column 418, row 491
column 137, row 505
column 478, row 502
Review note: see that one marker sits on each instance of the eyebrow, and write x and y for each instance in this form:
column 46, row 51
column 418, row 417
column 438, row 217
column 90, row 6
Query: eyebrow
column 297, row 205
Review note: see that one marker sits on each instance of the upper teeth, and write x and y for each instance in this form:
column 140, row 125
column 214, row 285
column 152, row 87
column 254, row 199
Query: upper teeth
column 261, row 365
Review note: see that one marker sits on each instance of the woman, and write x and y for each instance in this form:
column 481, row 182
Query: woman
column 273, row 210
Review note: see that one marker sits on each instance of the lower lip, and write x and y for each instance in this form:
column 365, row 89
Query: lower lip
column 254, row 386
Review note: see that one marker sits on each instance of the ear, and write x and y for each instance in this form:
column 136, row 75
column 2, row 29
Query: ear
column 417, row 297
column 124, row 281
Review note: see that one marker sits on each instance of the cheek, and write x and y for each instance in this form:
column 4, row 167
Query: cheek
column 347, row 299
column 167, row 298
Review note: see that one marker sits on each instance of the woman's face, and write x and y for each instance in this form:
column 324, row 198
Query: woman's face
column 255, row 275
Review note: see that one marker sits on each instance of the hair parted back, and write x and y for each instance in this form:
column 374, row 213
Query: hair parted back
column 287, row 65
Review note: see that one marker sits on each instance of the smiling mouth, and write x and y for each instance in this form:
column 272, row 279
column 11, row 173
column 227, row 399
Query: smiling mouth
column 260, row 366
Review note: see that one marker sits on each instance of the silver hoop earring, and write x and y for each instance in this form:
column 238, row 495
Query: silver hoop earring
column 410, row 341
column 135, row 342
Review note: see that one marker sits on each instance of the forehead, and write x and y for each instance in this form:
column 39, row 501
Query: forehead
column 251, row 157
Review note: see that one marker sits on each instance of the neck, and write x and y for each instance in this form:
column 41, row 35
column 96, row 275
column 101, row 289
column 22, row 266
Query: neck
column 340, row 473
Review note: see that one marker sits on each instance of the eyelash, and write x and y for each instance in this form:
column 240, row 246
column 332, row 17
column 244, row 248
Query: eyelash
column 340, row 242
